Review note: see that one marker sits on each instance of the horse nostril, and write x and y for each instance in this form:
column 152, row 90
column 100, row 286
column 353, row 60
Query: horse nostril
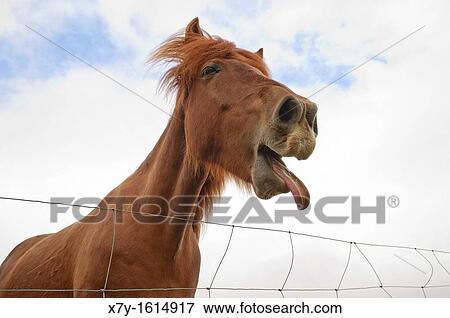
column 288, row 110
column 311, row 118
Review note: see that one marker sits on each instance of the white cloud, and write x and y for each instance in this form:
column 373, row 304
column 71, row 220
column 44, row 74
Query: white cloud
column 49, row 16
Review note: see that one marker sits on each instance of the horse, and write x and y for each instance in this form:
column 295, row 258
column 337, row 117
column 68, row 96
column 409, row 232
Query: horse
column 231, row 121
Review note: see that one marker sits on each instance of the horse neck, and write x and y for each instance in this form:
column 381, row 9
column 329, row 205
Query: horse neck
column 168, row 172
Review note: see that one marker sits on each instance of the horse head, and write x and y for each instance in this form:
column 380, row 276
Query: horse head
column 236, row 118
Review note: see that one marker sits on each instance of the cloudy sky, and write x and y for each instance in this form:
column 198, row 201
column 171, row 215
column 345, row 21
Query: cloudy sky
column 66, row 130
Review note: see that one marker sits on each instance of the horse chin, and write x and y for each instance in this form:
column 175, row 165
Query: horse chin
column 266, row 183
column 271, row 177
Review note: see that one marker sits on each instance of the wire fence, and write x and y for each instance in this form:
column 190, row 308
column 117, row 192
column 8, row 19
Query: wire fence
column 352, row 246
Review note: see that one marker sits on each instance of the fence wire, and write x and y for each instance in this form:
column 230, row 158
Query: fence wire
column 103, row 291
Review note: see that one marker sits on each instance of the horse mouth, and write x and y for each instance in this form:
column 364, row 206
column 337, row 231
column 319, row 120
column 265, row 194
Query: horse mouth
column 270, row 177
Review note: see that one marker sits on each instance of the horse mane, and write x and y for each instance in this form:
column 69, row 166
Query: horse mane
column 187, row 53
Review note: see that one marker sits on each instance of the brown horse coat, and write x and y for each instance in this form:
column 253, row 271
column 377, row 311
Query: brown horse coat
column 230, row 120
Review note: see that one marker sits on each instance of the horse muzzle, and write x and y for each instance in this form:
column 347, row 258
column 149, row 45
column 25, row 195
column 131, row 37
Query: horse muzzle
column 291, row 133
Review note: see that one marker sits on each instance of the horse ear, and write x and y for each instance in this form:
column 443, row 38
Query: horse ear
column 194, row 28
column 260, row 52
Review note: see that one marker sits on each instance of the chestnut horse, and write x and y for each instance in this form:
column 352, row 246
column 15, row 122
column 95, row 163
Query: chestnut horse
column 231, row 120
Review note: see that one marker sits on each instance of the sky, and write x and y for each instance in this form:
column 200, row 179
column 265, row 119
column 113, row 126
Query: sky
column 66, row 130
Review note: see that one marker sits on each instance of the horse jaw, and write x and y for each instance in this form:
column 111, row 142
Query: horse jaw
column 271, row 177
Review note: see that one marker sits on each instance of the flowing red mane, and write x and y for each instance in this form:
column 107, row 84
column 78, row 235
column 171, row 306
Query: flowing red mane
column 187, row 53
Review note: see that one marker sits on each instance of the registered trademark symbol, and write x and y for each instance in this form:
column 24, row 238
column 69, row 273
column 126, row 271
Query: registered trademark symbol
column 393, row 201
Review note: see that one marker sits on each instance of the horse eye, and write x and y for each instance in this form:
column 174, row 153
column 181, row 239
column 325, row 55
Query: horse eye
column 209, row 70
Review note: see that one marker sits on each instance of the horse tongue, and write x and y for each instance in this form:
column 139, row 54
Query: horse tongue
column 294, row 184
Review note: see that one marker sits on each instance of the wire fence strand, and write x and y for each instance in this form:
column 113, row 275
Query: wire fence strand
column 345, row 269
column 356, row 288
column 291, row 265
column 224, row 224
column 113, row 216
column 221, row 261
column 370, row 264
column 441, row 264
column 431, row 266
